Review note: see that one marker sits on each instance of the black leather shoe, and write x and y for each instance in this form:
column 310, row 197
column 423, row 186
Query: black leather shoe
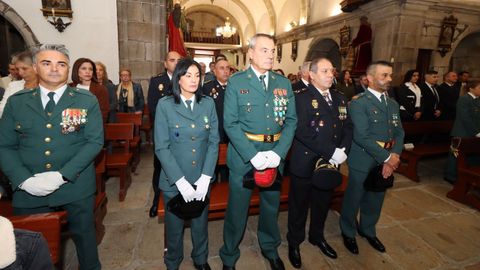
column 276, row 264
column 325, row 248
column 228, row 267
column 205, row 266
column 153, row 211
column 374, row 242
column 350, row 243
column 294, row 256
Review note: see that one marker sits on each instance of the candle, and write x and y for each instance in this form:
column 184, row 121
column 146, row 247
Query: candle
column 53, row 12
column 392, row 60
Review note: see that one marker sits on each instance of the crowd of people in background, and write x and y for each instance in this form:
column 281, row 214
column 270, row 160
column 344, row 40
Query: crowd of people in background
column 186, row 96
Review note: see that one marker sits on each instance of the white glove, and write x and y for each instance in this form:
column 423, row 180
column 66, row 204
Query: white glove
column 333, row 162
column 53, row 178
column 260, row 161
column 478, row 135
column 187, row 191
column 202, row 187
column 38, row 186
column 273, row 159
column 339, row 155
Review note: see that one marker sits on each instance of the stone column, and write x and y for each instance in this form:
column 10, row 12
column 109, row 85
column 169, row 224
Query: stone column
column 141, row 38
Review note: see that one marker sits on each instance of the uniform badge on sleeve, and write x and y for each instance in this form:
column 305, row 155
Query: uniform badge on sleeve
column 72, row 119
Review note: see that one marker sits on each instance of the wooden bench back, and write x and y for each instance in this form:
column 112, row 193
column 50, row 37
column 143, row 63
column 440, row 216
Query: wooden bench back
column 466, row 147
column 120, row 132
column 427, row 127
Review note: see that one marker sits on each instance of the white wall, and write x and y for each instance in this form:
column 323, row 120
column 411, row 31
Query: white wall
column 92, row 34
column 287, row 64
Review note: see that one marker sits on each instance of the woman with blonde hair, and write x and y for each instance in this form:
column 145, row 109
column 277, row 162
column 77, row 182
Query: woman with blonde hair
column 129, row 94
column 103, row 79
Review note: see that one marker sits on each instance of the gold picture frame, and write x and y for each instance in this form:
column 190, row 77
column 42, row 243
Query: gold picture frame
column 57, row 8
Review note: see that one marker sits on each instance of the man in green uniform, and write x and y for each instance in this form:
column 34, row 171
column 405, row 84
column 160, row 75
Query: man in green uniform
column 377, row 139
column 49, row 137
column 260, row 121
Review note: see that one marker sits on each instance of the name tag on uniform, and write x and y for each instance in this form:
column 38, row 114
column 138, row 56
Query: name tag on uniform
column 244, row 91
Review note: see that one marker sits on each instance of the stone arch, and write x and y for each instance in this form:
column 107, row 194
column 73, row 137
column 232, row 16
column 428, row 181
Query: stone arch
column 272, row 15
column 466, row 55
column 214, row 12
column 17, row 21
column 325, row 47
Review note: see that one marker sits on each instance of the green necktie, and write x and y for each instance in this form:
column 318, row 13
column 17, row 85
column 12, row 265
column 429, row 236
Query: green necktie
column 382, row 100
column 262, row 78
column 50, row 104
column 189, row 104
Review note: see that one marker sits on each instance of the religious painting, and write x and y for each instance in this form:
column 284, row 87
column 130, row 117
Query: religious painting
column 279, row 53
column 57, row 8
column 294, row 50
column 344, row 40
column 446, row 34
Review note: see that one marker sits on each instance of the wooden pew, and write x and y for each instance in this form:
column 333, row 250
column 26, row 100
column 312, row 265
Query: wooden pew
column 48, row 224
column 219, row 195
column 410, row 158
column 119, row 164
column 468, row 175
column 135, row 143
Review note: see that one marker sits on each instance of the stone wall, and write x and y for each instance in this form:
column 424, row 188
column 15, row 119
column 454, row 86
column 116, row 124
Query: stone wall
column 142, row 38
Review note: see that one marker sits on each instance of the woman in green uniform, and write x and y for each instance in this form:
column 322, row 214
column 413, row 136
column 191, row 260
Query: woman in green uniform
column 186, row 143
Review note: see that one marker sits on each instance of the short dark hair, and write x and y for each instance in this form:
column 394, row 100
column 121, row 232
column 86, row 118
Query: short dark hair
column 76, row 67
column 373, row 66
column 463, row 72
column 180, row 70
column 431, row 72
column 472, row 84
column 313, row 65
column 408, row 76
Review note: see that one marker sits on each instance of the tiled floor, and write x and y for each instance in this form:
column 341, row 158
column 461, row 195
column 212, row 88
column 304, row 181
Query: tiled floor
column 420, row 227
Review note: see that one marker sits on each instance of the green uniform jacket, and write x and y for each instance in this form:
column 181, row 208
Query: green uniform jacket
column 31, row 142
column 372, row 122
column 249, row 108
column 467, row 120
column 186, row 142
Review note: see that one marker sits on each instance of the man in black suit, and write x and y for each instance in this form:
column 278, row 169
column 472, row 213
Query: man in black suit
column 302, row 84
column 362, row 84
column 324, row 130
column 159, row 87
column 430, row 97
column 449, row 94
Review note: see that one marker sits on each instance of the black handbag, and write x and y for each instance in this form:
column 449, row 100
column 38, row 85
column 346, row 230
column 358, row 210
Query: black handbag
column 325, row 175
column 375, row 181
column 184, row 210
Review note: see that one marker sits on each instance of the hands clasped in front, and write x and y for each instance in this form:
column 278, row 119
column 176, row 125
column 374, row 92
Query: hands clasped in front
column 43, row 184
column 265, row 159
column 391, row 165
column 189, row 193
column 338, row 156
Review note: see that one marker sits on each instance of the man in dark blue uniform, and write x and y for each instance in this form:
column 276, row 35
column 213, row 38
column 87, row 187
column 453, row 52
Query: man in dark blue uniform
column 158, row 88
column 324, row 130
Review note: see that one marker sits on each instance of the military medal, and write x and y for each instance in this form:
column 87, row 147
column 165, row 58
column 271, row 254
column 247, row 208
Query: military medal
column 314, row 103
column 395, row 119
column 205, row 119
column 160, row 87
column 214, row 93
column 72, row 119
column 280, row 105
column 342, row 112
column 248, row 108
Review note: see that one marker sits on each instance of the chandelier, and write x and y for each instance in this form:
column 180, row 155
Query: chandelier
column 227, row 30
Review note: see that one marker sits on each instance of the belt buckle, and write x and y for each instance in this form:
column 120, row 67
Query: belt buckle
column 268, row 138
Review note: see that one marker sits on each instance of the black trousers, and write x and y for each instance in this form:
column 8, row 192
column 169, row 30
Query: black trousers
column 302, row 196
column 157, row 167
